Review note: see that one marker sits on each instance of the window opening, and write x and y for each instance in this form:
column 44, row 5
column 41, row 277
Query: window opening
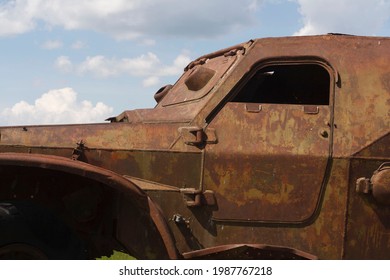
column 307, row 84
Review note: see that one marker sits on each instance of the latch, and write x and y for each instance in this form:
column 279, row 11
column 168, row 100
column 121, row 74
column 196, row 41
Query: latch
column 196, row 136
column 378, row 185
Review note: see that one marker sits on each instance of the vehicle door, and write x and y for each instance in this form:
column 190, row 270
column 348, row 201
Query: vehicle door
column 273, row 149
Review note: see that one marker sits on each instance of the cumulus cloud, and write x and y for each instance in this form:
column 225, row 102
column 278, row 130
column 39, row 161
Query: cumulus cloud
column 129, row 19
column 55, row 107
column 64, row 64
column 146, row 65
column 17, row 17
column 359, row 17
column 52, row 44
column 99, row 66
column 102, row 66
column 176, row 68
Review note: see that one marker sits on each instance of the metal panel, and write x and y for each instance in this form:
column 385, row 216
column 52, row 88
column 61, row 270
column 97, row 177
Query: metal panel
column 268, row 166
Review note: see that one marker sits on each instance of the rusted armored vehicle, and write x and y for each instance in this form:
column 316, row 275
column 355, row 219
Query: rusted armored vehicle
column 274, row 148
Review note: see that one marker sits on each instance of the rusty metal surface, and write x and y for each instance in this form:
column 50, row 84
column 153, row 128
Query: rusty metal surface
column 276, row 156
column 136, row 150
column 150, row 185
column 249, row 251
column 228, row 172
column 184, row 93
column 381, row 184
column 368, row 224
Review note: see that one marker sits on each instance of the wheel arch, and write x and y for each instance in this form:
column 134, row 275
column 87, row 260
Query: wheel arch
column 126, row 194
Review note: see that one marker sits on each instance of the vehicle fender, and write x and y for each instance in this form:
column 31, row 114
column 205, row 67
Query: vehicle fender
column 128, row 192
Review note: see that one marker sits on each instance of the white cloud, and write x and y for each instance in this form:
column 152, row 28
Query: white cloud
column 64, row 64
column 147, row 42
column 78, row 45
column 52, row 44
column 253, row 5
column 55, row 107
column 177, row 67
column 147, row 65
column 358, row 17
column 151, row 81
column 16, row 17
column 129, row 19
column 99, row 66
column 139, row 66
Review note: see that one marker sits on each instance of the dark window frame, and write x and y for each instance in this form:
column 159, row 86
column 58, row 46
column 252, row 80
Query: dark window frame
column 265, row 71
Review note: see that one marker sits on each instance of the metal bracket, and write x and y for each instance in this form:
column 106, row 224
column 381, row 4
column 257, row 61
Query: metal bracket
column 192, row 135
column 311, row 109
column 193, row 197
column 363, row 185
column 253, row 108
column 196, row 136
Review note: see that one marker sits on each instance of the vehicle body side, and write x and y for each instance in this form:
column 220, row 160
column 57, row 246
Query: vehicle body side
column 220, row 169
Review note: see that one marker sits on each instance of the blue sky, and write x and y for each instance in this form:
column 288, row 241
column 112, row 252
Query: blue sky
column 83, row 61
